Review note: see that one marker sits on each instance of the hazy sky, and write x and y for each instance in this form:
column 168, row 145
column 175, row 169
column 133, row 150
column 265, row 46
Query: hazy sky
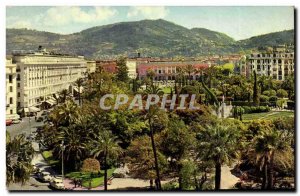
column 237, row 22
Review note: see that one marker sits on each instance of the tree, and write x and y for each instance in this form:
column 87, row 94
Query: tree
column 154, row 89
column 176, row 141
column 180, row 76
column 281, row 93
column 106, row 146
column 263, row 83
column 189, row 69
column 255, row 90
column 75, row 146
column 152, row 116
column 56, row 98
column 140, row 159
column 151, row 75
column 79, row 84
column 19, row 154
column 90, row 165
column 64, row 94
column 270, row 145
column 122, row 70
column 219, row 144
column 289, row 85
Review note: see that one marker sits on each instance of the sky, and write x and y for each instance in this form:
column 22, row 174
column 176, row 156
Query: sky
column 237, row 22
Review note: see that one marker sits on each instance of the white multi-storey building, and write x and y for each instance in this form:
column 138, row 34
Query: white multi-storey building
column 11, row 90
column 40, row 75
column 131, row 65
column 278, row 64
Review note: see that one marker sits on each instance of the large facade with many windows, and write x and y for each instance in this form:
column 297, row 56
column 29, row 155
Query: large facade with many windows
column 278, row 64
column 11, row 90
column 40, row 75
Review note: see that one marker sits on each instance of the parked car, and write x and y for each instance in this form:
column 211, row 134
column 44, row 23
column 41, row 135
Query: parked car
column 57, row 183
column 39, row 119
column 44, row 113
column 16, row 121
column 44, row 176
column 36, row 170
column 9, row 122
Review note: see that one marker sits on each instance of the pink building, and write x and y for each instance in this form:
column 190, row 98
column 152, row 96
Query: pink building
column 167, row 70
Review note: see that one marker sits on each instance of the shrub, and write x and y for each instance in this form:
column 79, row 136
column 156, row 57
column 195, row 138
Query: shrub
column 282, row 93
column 269, row 93
column 90, row 165
column 254, row 109
column 273, row 98
column 291, row 105
column 263, row 98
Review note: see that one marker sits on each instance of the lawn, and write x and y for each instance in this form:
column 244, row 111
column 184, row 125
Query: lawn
column 166, row 90
column 85, row 176
column 267, row 115
column 49, row 158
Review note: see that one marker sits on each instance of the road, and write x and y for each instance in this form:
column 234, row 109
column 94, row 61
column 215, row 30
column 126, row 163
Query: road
column 24, row 128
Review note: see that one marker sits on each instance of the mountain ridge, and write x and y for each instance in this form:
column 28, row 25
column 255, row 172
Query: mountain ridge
column 149, row 37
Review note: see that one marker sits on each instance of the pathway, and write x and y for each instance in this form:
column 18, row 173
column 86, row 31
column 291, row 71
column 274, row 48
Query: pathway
column 228, row 180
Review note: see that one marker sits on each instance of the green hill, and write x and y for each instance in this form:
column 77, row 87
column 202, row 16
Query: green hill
column 270, row 39
column 149, row 37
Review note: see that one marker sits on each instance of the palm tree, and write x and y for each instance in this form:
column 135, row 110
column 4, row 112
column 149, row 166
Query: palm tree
column 154, row 89
column 151, row 116
column 180, row 75
column 189, row 69
column 67, row 113
column 106, row 145
column 151, row 75
column 269, row 146
column 79, row 84
column 64, row 94
column 75, row 145
column 56, row 98
column 218, row 144
column 19, row 154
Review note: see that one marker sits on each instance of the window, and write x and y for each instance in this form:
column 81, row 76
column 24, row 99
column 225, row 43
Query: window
column 10, row 78
column 10, row 89
column 19, row 94
column 11, row 111
column 19, row 104
column 18, row 84
column 10, row 100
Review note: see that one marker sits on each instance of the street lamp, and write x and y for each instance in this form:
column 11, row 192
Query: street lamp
column 62, row 157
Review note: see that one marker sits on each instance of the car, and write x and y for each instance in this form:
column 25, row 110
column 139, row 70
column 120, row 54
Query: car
column 44, row 176
column 57, row 183
column 9, row 122
column 36, row 170
column 44, row 113
column 16, row 121
column 39, row 119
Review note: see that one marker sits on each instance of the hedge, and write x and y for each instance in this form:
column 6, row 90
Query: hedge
column 254, row 109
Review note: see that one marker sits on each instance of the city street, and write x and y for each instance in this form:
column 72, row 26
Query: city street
column 23, row 127
column 38, row 160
